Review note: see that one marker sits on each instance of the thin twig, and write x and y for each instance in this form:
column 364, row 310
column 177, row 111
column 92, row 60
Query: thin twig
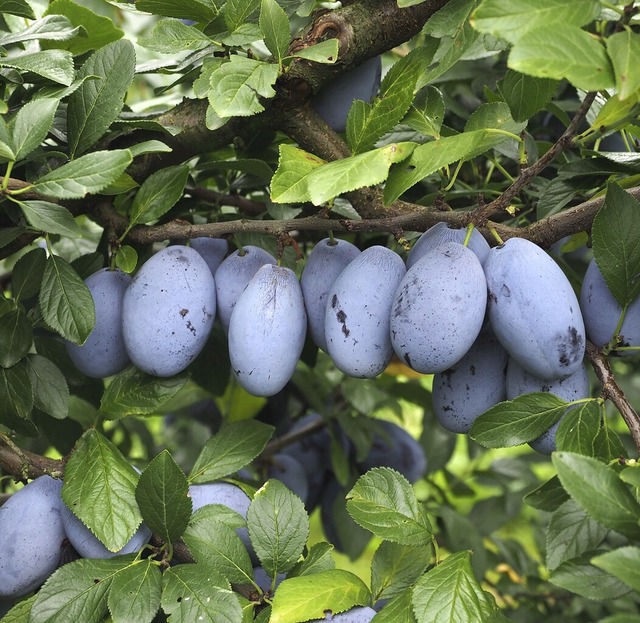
column 613, row 392
column 501, row 203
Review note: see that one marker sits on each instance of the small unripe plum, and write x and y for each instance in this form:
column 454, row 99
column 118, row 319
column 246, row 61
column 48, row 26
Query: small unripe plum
column 444, row 232
column 325, row 262
column 103, row 353
column 168, row 311
column 334, row 100
column 358, row 310
column 290, row 473
column 574, row 387
column 212, row 250
column 533, row 310
column 394, row 447
column 234, row 274
column 267, row 331
column 225, row 493
column 601, row 313
column 472, row 385
column 438, row 308
column 31, row 536
column 89, row 546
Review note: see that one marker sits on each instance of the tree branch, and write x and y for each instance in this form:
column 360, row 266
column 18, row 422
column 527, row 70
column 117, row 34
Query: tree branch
column 612, row 391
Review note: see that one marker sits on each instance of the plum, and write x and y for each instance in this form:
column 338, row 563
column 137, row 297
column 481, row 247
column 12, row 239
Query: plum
column 444, row 232
column 438, row 308
column 358, row 309
column 574, row 387
column 394, row 447
column 472, row 385
column 103, row 353
column 267, row 331
column 231, row 496
column 31, row 536
column 89, row 546
column 601, row 312
column 212, row 250
column 289, row 472
column 533, row 310
column 168, row 311
column 233, row 275
column 325, row 262
column 359, row 614
column 334, row 100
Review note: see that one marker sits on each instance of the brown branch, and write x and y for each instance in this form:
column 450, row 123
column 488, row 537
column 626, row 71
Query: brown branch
column 25, row 465
column 613, row 392
column 246, row 206
column 482, row 214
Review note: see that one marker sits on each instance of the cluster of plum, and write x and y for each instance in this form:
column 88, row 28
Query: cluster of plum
column 489, row 323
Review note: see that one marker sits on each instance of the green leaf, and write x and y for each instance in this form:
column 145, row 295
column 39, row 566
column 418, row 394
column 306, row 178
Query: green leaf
column 65, row 301
column 579, row 428
column 366, row 123
column 235, row 445
column 566, row 52
column 514, row 422
column 289, row 183
column 31, row 125
column 321, row 183
column 27, row 274
column 237, row 85
column 526, row 95
column 162, row 495
column 450, row 592
column 449, row 20
column 158, row 194
column 608, row 446
column 78, row 591
column 624, row 51
column 399, row 609
column 49, row 28
column 511, row 19
column 192, row 593
column 623, row 563
column 17, row 7
column 597, row 488
column 171, row 36
column 217, row 545
column 133, row 392
column 97, row 103
column 238, row 11
column 278, row 527
column 86, row 175
column 427, row 112
column 16, row 337
column 16, row 398
column 581, row 577
column 135, row 593
column 98, row 29
column 571, row 533
column 99, row 487
column 318, row 559
column 50, row 390
column 547, row 497
column 383, row 502
column 430, row 157
column 275, row 28
column 126, row 259
column 196, row 10
column 310, row 596
column 54, row 65
column 396, row 567
column 20, row 612
column 50, row 218
column 616, row 244
column 324, row 52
